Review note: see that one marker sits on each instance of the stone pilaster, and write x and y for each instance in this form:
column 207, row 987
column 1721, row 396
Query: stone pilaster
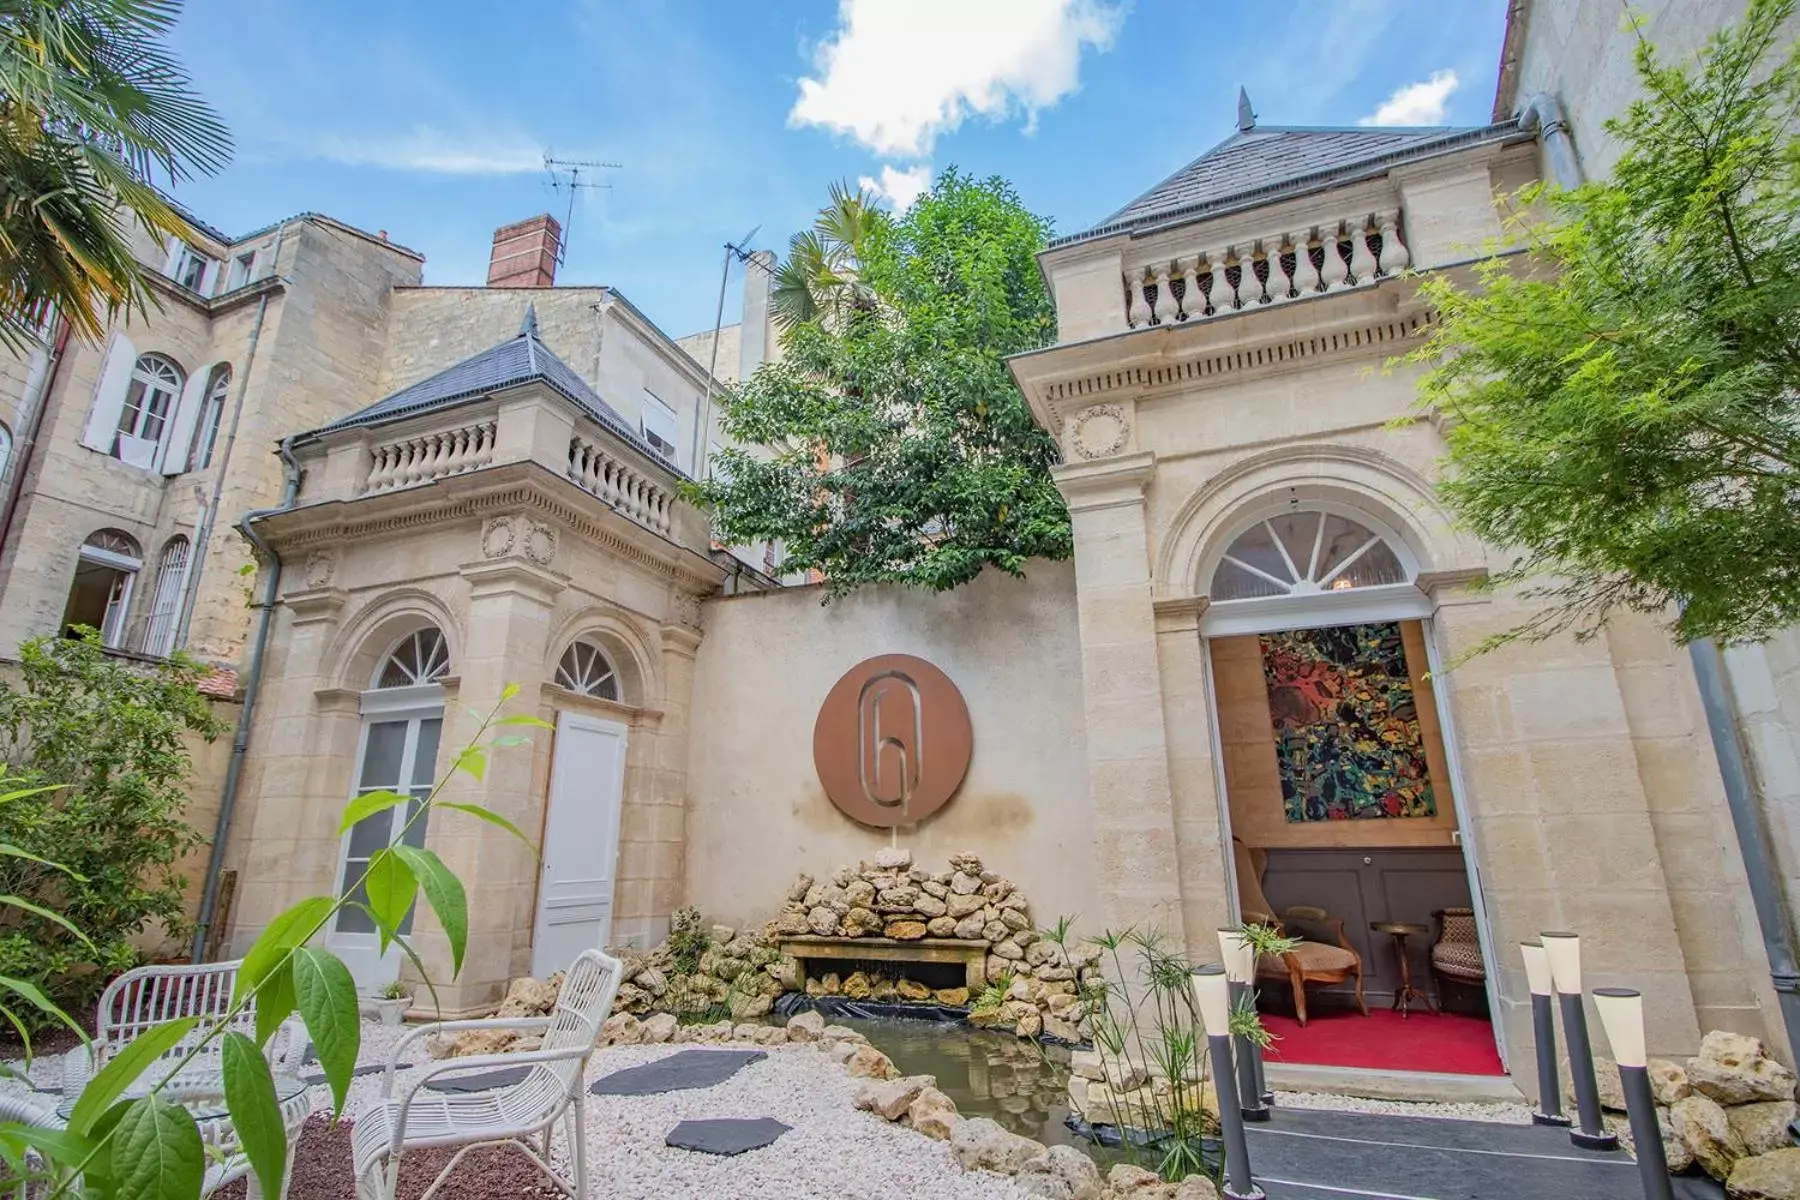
column 1201, row 857
column 1128, row 755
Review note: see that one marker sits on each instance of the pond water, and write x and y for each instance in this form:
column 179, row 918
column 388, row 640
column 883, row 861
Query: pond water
column 1021, row 1084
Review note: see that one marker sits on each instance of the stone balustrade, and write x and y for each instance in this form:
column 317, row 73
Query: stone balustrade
column 430, row 456
column 1348, row 252
column 615, row 481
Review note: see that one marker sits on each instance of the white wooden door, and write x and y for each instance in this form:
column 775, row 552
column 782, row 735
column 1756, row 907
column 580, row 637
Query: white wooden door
column 581, row 841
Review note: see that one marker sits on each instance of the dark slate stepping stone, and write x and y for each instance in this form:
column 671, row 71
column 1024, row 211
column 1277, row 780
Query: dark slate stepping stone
column 678, row 1072
column 318, row 1077
column 481, row 1081
column 725, row 1136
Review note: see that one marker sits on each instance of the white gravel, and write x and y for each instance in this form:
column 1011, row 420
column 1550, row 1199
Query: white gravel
column 1497, row 1113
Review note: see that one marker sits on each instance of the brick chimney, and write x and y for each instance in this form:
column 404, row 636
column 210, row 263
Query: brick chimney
column 524, row 253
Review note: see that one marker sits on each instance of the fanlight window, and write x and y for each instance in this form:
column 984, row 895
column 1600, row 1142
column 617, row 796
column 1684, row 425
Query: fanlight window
column 585, row 669
column 1304, row 553
column 421, row 658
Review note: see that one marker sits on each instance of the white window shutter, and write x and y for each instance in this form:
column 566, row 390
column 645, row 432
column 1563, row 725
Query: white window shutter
column 109, row 394
column 209, row 281
column 172, row 458
column 174, row 258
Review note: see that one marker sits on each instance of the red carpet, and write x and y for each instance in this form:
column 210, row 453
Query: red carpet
column 1449, row 1042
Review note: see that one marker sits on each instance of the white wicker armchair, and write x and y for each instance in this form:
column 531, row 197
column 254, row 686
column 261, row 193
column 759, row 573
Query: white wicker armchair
column 524, row 1114
column 147, row 996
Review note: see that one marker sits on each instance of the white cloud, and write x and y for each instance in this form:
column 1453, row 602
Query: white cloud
column 435, row 152
column 897, row 73
column 901, row 188
column 1422, row 103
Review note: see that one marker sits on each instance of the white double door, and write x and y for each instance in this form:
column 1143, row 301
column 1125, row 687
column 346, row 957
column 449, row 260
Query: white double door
column 581, row 841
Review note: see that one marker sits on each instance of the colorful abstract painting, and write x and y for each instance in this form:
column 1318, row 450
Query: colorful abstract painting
column 1346, row 724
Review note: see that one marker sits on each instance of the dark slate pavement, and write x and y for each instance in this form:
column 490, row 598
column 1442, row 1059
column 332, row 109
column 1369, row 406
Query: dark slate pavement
column 1313, row 1155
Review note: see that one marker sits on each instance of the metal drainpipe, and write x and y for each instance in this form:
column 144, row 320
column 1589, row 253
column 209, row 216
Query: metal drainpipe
column 1544, row 113
column 191, row 585
column 240, row 742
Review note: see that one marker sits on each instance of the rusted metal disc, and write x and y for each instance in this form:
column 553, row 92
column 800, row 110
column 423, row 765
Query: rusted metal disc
column 892, row 742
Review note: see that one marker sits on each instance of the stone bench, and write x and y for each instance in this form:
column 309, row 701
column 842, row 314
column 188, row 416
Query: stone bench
column 972, row 955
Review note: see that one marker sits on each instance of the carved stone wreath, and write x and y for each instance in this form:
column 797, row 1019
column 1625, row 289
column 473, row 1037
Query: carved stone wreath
column 540, row 543
column 1099, row 431
column 498, row 537
column 684, row 609
column 319, row 566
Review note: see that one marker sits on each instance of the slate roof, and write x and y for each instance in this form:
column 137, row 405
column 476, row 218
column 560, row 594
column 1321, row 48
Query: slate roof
column 521, row 359
column 1259, row 163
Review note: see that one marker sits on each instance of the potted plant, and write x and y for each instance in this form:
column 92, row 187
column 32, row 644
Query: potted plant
column 392, row 1001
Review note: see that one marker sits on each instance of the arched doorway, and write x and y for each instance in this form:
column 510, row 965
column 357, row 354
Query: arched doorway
column 1342, row 801
column 402, row 724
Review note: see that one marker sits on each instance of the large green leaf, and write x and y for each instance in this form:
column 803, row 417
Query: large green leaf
column 472, row 761
column 274, row 1002
column 41, row 911
column 525, row 719
column 124, row 1068
column 483, row 813
column 328, row 1002
column 8, row 850
column 391, row 888
column 255, row 1113
column 367, row 805
column 286, row 931
column 157, row 1152
column 445, row 891
column 41, row 1002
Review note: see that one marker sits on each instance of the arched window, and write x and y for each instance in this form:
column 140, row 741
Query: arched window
column 106, row 567
column 1305, row 552
column 206, row 430
column 586, row 669
column 420, row 658
column 402, row 722
column 155, row 383
column 165, row 608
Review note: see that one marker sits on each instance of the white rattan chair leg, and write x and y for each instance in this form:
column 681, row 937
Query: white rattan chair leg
column 578, row 1143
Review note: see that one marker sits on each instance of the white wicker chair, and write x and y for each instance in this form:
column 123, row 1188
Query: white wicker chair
column 551, row 1092
column 147, row 996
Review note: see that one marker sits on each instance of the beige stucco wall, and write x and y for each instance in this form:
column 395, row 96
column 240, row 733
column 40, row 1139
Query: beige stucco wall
column 757, row 815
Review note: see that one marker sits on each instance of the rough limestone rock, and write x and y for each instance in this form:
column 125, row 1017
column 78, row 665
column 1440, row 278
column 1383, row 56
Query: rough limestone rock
column 797, row 890
column 931, row 887
column 942, row 927
column 1061, row 1173
column 1772, row 1176
column 906, row 931
column 527, row 997
column 806, row 1027
column 620, row 1029
column 1015, row 920
column 957, row 997
column 1128, row 1180
column 659, row 1028
column 830, row 984
column 968, row 864
column 893, row 859
column 866, row 1062
column 823, row 921
column 890, row 1099
column 1668, row 1082
column 933, row 1114
column 1061, row 1028
column 786, row 972
column 483, row 1041
column 912, row 990
column 792, row 922
column 1007, row 949
column 857, row 986
column 1606, row 1074
column 1733, row 1069
column 960, row 906
column 1703, row 1128
column 1029, row 1024
column 860, row 922
column 1196, row 1187
column 965, row 884
column 1675, row 1152
column 982, row 1145
column 1763, row 1127
column 859, row 893
column 746, row 1007
column 969, row 928
column 898, row 899
column 840, row 1052
column 930, row 906
column 1087, row 1064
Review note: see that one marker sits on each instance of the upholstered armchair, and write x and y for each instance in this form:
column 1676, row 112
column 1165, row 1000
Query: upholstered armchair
column 1456, row 954
column 1324, row 955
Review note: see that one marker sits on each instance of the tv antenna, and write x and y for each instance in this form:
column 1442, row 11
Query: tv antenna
column 740, row 250
column 566, row 173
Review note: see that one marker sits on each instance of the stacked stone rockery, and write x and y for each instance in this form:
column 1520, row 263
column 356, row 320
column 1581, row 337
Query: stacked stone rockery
column 1726, row 1112
column 890, row 897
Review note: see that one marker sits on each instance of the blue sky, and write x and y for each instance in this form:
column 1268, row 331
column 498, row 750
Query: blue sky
column 429, row 118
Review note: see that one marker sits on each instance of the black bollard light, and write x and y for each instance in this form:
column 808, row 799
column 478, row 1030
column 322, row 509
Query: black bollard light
column 1543, row 1025
column 1622, row 1016
column 1212, row 994
column 1564, row 953
column 1240, row 970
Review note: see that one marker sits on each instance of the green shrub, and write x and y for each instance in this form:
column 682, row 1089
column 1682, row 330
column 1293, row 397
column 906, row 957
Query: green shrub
column 688, row 939
column 115, row 734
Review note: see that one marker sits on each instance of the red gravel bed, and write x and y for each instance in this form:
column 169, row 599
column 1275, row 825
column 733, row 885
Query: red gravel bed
column 323, row 1171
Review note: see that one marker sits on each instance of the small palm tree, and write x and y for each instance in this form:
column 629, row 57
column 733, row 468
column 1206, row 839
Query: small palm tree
column 819, row 278
column 95, row 113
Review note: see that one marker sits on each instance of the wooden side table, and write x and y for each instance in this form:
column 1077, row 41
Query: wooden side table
column 1400, row 931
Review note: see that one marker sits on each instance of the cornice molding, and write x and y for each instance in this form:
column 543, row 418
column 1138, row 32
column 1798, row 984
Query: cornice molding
column 1455, row 577
column 512, row 576
column 1105, row 482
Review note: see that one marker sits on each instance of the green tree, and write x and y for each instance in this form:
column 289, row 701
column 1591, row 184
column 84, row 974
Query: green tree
column 100, row 850
column 899, row 448
column 1620, row 401
column 95, row 114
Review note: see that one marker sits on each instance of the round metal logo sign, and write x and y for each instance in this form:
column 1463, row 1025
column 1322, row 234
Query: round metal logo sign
column 892, row 741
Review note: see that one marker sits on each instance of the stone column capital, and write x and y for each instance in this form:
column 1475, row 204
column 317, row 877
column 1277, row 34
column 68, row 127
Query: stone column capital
column 1452, row 585
column 1180, row 614
column 512, row 576
column 1105, row 483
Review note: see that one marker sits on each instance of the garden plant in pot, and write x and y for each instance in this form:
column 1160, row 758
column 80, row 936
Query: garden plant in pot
column 392, row 1001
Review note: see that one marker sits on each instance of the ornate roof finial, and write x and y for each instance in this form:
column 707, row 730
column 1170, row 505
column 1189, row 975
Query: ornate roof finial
column 1246, row 115
column 528, row 327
